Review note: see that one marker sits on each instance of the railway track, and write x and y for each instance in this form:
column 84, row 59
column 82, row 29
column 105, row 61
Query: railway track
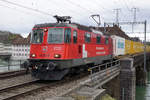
column 11, row 74
column 12, row 92
column 33, row 87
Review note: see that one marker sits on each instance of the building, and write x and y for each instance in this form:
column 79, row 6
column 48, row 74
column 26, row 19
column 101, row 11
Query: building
column 5, row 49
column 21, row 48
column 113, row 30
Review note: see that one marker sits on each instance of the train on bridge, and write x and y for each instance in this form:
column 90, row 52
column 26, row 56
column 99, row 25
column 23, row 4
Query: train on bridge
column 61, row 48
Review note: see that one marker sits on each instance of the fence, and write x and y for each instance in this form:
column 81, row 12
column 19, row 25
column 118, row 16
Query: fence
column 101, row 74
column 8, row 65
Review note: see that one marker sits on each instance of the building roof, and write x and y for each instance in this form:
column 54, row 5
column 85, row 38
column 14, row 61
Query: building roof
column 114, row 30
column 22, row 41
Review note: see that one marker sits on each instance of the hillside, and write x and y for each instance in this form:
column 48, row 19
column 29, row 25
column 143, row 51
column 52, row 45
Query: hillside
column 7, row 37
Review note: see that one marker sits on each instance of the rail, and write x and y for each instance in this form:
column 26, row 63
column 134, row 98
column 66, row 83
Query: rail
column 101, row 74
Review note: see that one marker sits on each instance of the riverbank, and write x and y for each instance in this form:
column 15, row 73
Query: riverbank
column 107, row 97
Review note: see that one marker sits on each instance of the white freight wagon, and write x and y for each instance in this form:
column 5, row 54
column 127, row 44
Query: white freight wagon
column 118, row 45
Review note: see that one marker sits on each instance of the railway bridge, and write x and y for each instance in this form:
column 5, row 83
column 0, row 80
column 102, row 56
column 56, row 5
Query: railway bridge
column 117, row 78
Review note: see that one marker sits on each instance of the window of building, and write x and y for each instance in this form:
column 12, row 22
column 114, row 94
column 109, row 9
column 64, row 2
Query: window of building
column 98, row 39
column 74, row 36
column 67, row 35
column 87, row 37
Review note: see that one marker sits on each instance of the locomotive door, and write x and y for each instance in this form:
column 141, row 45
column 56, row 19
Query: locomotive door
column 77, row 49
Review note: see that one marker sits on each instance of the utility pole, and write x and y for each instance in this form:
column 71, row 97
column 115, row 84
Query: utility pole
column 145, row 25
column 134, row 17
column 145, row 32
column 117, row 15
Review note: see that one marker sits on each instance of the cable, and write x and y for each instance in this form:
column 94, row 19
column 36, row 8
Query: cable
column 124, row 1
column 60, row 9
column 14, row 9
column 22, row 6
column 20, row 11
column 79, row 6
column 104, row 8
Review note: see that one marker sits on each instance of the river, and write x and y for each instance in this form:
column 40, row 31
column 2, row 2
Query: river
column 143, row 92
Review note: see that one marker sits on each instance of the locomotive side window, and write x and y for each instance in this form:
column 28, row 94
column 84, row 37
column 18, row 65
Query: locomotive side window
column 55, row 35
column 106, row 41
column 74, row 36
column 37, row 36
column 87, row 37
column 67, row 35
column 98, row 39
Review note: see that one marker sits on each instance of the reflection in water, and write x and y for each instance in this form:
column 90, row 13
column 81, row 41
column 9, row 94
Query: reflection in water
column 143, row 92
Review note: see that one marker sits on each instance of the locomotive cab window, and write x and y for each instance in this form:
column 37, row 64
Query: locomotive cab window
column 87, row 37
column 98, row 39
column 74, row 36
column 55, row 35
column 37, row 36
column 67, row 35
column 106, row 41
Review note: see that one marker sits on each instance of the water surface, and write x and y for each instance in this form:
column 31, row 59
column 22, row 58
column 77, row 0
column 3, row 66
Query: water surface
column 143, row 92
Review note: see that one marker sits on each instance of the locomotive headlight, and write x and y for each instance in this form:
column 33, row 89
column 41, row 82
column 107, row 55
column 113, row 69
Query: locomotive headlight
column 45, row 30
column 57, row 56
column 33, row 55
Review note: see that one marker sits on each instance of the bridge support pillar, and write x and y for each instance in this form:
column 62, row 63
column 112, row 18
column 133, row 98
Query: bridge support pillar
column 127, row 79
column 141, row 75
column 148, row 65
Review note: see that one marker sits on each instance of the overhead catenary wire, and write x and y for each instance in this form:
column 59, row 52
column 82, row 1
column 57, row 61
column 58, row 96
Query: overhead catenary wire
column 78, row 5
column 22, row 11
column 65, row 8
column 15, row 9
column 29, row 8
column 22, row 6
column 126, row 5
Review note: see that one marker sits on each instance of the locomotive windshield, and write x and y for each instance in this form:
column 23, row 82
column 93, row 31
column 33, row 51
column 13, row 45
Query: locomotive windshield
column 37, row 36
column 55, row 35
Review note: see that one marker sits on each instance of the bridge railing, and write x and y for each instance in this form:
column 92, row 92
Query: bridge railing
column 101, row 74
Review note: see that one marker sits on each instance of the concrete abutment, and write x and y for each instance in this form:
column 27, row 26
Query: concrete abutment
column 127, row 80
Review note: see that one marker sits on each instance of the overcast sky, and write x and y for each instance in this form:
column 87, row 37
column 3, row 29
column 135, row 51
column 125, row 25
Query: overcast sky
column 20, row 16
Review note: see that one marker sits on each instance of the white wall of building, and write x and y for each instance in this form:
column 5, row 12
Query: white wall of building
column 20, row 52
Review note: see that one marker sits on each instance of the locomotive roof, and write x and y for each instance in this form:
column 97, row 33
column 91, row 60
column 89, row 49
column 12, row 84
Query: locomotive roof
column 74, row 25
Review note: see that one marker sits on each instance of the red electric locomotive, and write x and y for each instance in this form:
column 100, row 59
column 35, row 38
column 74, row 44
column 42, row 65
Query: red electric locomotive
column 58, row 48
